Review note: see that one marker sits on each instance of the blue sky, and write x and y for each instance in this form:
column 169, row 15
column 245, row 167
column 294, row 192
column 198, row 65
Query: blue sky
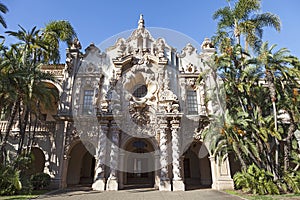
column 97, row 20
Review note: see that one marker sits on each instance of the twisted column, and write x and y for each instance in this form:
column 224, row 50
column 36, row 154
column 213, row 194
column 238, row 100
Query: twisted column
column 164, row 180
column 164, row 153
column 175, row 151
column 99, row 179
column 178, row 184
column 112, row 183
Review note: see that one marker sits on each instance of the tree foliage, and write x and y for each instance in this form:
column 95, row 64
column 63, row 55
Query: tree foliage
column 262, row 101
column 23, row 87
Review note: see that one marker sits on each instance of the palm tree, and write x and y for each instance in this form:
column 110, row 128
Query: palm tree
column 3, row 9
column 21, row 68
column 280, row 71
column 56, row 32
column 243, row 20
column 23, row 60
column 9, row 93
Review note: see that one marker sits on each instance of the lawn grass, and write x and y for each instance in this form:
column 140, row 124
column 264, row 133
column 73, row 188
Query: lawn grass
column 34, row 194
column 263, row 197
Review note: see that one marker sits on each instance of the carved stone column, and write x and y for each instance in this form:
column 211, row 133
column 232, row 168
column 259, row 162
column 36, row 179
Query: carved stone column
column 178, row 184
column 164, row 184
column 112, row 182
column 99, row 179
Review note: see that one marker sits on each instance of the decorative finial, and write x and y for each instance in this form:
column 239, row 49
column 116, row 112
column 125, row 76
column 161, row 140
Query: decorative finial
column 141, row 23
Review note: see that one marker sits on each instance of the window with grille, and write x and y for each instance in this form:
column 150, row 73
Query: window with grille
column 140, row 91
column 192, row 103
column 88, row 102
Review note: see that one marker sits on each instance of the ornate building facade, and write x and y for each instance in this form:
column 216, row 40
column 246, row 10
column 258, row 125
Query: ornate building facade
column 131, row 116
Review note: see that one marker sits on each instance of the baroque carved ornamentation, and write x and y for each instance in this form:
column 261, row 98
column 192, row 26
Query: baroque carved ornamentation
column 191, row 82
column 71, row 135
column 204, row 123
column 190, row 68
column 139, row 114
column 207, row 44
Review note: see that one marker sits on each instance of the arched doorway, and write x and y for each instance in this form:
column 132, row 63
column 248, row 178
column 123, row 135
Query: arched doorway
column 38, row 161
column 139, row 164
column 81, row 166
column 197, row 168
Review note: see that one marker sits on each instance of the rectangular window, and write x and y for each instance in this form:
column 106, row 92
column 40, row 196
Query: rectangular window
column 192, row 103
column 88, row 102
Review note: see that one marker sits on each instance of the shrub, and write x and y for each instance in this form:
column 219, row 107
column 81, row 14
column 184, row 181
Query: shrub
column 9, row 180
column 256, row 181
column 40, row 180
column 290, row 182
column 26, row 185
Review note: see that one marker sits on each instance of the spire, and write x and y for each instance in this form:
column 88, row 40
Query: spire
column 141, row 23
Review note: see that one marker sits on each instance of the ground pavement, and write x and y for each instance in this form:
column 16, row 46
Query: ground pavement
column 139, row 194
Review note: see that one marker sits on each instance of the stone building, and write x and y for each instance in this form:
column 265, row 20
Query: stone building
column 130, row 116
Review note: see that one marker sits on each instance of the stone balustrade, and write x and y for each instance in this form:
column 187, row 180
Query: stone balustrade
column 48, row 126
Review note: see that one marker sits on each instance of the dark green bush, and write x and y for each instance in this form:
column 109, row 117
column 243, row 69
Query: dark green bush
column 26, row 185
column 9, row 180
column 256, row 181
column 40, row 180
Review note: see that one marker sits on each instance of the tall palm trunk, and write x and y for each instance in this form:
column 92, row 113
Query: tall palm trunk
column 287, row 144
column 237, row 33
column 23, row 126
column 11, row 119
column 32, row 137
column 276, row 142
column 272, row 89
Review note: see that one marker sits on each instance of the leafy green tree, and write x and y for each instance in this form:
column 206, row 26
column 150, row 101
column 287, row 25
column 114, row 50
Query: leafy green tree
column 260, row 87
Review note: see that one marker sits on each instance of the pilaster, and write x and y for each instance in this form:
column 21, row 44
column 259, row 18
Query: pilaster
column 221, row 177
